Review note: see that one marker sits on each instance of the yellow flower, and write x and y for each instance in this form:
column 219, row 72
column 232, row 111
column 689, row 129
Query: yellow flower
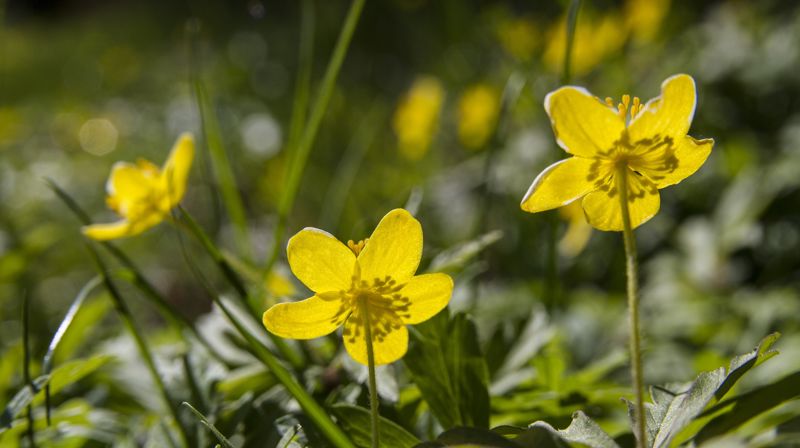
column 649, row 152
column 143, row 194
column 578, row 230
column 371, row 282
column 595, row 39
column 643, row 17
column 477, row 115
column 417, row 117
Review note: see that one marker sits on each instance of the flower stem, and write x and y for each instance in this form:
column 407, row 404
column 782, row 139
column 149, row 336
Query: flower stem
column 633, row 307
column 373, row 387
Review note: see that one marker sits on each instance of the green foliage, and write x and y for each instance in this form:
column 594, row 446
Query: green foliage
column 446, row 364
column 356, row 422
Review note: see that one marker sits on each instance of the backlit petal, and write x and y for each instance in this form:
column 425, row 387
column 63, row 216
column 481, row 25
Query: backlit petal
column 603, row 210
column 320, row 261
column 306, row 319
column 121, row 229
column 583, row 125
column 682, row 161
column 393, row 249
column 176, row 169
column 427, row 294
column 389, row 348
column 560, row 184
column 668, row 115
column 127, row 183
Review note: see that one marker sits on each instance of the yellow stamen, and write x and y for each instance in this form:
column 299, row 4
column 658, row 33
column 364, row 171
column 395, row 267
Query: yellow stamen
column 637, row 107
column 357, row 247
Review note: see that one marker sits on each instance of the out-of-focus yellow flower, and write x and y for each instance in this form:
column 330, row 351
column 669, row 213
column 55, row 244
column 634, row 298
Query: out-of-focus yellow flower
column 477, row 115
column 368, row 286
column 519, row 37
column 643, row 17
column 278, row 285
column 578, row 230
column 143, row 194
column 649, row 152
column 417, row 117
column 595, row 39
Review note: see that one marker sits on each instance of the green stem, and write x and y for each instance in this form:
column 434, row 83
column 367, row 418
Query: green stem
column 373, row 387
column 633, row 306
column 196, row 231
column 127, row 319
column 26, row 363
column 299, row 155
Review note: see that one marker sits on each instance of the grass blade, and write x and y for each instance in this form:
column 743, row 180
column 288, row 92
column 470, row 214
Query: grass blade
column 127, row 319
column 300, row 153
column 222, row 170
column 47, row 363
column 221, row 438
column 26, row 366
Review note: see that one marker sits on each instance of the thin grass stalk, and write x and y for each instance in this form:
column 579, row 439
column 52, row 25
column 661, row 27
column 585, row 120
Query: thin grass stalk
column 177, row 320
column 26, row 364
column 130, row 324
column 292, row 356
column 47, row 363
column 632, row 271
column 300, row 153
column 347, row 170
column 223, row 171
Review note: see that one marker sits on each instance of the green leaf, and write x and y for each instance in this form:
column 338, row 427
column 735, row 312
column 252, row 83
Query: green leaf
column 356, row 423
column 470, row 437
column 743, row 363
column 581, row 430
column 221, row 438
column 456, row 257
column 446, row 364
column 73, row 371
column 751, row 404
column 20, row 401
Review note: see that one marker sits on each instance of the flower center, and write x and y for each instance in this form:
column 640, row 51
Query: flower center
column 381, row 298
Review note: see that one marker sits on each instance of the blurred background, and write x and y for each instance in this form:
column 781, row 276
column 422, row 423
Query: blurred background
column 438, row 108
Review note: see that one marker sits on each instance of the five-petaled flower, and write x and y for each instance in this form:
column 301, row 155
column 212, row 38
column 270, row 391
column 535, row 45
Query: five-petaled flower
column 369, row 283
column 648, row 152
column 143, row 194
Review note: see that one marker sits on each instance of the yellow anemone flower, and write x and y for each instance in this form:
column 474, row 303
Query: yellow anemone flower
column 578, row 230
column 649, row 152
column 143, row 194
column 369, row 283
column 417, row 117
column 478, row 109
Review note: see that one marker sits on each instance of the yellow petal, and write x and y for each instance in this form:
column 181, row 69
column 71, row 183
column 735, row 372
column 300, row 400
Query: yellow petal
column 582, row 124
column 394, row 249
column 121, row 229
column 306, row 319
column 603, row 210
column 176, row 169
column 560, row 184
column 682, row 160
column 668, row 115
column 427, row 295
column 578, row 230
column 389, row 348
column 320, row 261
column 127, row 183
